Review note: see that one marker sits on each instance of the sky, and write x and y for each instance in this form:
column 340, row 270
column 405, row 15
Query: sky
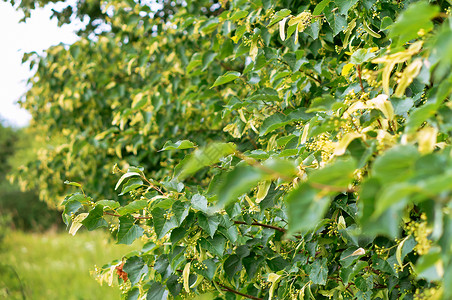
column 37, row 34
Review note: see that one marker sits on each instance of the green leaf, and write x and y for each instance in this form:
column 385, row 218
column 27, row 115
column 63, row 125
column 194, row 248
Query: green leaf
column 125, row 176
column 173, row 285
column 173, row 185
column 194, row 62
column 252, row 264
column 237, row 15
column 208, row 273
column 69, row 209
column 319, row 271
column 237, row 182
column 207, row 59
column 393, row 194
column 128, row 231
column 429, row 266
column 336, row 21
column 135, row 267
column 419, row 116
column 214, row 245
column 132, row 207
column 361, row 56
column 399, row 251
column 179, row 145
column 345, row 5
column 383, row 265
column 209, row 25
column 133, row 294
column 225, row 78
column 324, row 103
column 272, row 123
column 416, row 17
column 177, row 234
column 111, row 204
column 180, row 211
column 277, row 264
column 232, row 265
column 314, row 29
column 131, row 185
column 396, row 164
column 157, row 292
column 162, row 266
column 305, row 208
column 161, row 224
column 95, row 218
column 278, row 16
column 230, row 233
column 320, row 7
column 347, row 258
column 208, row 223
column 348, row 274
column 72, row 183
column 199, row 202
column 204, row 157
column 79, row 197
column 279, row 120
column 338, row 174
column 281, row 167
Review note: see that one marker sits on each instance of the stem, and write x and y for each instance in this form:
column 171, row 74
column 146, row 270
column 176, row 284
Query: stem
column 357, row 130
column 261, row 225
column 116, row 215
column 273, row 107
column 390, row 127
column 22, row 290
column 228, row 289
column 152, row 185
column 358, row 67
column 379, row 123
column 312, row 77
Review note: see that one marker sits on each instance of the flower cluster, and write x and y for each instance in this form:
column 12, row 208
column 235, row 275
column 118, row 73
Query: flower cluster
column 433, row 293
column 420, row 231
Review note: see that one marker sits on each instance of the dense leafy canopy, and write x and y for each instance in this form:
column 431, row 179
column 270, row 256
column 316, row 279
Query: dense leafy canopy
column 265, row 149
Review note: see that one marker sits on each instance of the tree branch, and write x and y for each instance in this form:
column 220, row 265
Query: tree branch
column 358, row 67
column 228, row 289
column 116, row 215
column 261, row 225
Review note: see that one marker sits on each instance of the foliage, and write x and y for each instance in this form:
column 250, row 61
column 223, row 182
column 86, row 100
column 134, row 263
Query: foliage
column 55, row 266
column 21, row 209
column 266, row 149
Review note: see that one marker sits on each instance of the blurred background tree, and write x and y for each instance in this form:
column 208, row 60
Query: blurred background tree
column 21, row 209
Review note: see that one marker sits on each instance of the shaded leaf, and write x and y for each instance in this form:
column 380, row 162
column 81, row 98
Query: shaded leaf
column 227, row 77
column 179, row 145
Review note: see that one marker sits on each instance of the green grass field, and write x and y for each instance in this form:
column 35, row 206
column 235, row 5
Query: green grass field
column 56, row 265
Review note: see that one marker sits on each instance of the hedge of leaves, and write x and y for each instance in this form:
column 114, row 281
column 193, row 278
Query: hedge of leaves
column 263, row 149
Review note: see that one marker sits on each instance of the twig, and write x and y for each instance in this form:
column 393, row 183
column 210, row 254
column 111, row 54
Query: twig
column 261, row 225
column 358, row 67
column 357, row 130
column 152, row 185
column 116, row 215
column 312, row 77
column 228, row 289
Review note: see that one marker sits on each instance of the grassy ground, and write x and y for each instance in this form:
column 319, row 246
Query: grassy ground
column 56, row 265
